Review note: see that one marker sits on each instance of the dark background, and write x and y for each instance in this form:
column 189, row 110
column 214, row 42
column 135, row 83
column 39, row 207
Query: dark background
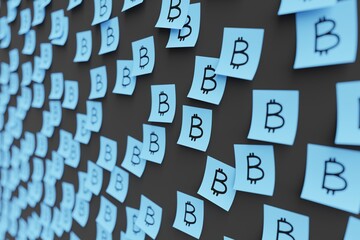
column 183, row 168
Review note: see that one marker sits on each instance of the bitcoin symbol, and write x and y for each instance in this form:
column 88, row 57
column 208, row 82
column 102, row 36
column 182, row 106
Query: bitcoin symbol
column 207, row 78
column 240, row 47
column 149, row 218
column 182, row 35
column 171, row 17
column 189, row 212
column 221, row 181
column 325, row 39
column 284, row 227
column 163, row 97
column 273, row 110
column 251, row 158
column 154, row 142
column 107, row 215
column 126, row 76
column 144, row 59
column 108, row 155
column 332, row 179
column 119, row 182
column 196, row 126
column 135, row 229
column 136, row 154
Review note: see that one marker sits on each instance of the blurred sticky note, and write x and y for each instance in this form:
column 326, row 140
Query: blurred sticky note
column 255, row 168
column 38, row 74
column 14, row 59
column 46, row 55
column 56, row 24
column 39, row 95
column 207, row 86
column 154, row 143
column 173, row 14
column 57, row 168
column 196, row 128
column 274, row 116
column 50, row 195
column 118, row 184
column 352, row 229
column 102, row 11
column 130, row 4
column 107, row 215
column 83, row 191
column 143, row 51
column 98, row 77
column 110, row 35
column 65, row 139
column 73, row 3
column 73, row 236
column 83, row 46
column 60, row 41
column 107, row 154
column 94, row 116
column 189, row 215
column 71, row 94
column 291, row 6
column 26, row 69
column 283, row 224
column 25, row 21
column 327, row 36
column 68, row 195
column 186, row 36
column 125, row 82
column 41, row 145
column 81, row 211
column 150, row 215
column 29, row 43
column 102, row 234
column 82, row 134
column 73, row 159
column 163, row 103
column 132, row 230
column 332, row 177
column 57, row 86
column 39, row 13
column 94, row 178
column 47, row 129
column 132, row 161
column 38, row 169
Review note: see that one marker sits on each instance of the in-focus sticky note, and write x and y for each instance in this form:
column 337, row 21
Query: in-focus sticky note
column 274, row 116
column 163, row 103
column 39, row 95
column 102, row 11
column 71, row 94
column 107, row 214
column 73, row 159
column 98, row 77
column 94, row 116
column 189, row 215
column 81, row 211
column 283, row 224
column 130, row 4
column 107, row 153
column 150, row 215
column 57, row 86
column 186, row 36
column 39, row 13
column 65, row 139
column 83, row 46
column 125, row 82
column 29, row 43
column 83, row 192
column 56, row 24
column 132, row 230
column 94, row 178
column 327, row 36
column 25, row 21
column 207, row 86
column 118, row 184
column 353, row 229
column 46, row 55
column 240, row 52
column 290, row 6
column 82, row 134
column 217, row 184
column 61, row 41
column 173, row 14
column 154, row 143
column 132, row 161
column 110, row 35
column 255, row 169
column 332, row 177
column 196, row 128
column 68, row 195
column 143, row 52
column 73, row 3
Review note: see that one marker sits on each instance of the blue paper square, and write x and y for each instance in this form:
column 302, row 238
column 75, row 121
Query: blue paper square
column 130, row 4
column 102, row 11
column 65, row 139
column 102, row 234
column 39, row 13
column 110, row 35
column 352, row 229
column 71, row 94
column 41, row 145
column 83, row 192
column 14, row 59
column 81, row 211
column 57, row 26
column 125, row 82
column 107, row 153
column 149, row 219
column 73, row 159
column 46, row 55
column 47, row 128
column 68, row 196
column 98, row 79
column 39, row 95
column 107, row 215
column 154, row 143
column 291, row 6
column 55, row 113
column 132, row 161
column 132, row 230
column 29, row 43
column 38, row 169
column 57, row 168
column 50, row 195
column 83, row 46
column 82, row 134
column 163, row 103
column 65, row 33
column 25, row 21
column 118, row 184
column 94, row 116
column 143, row 51
column 173, row 14
column 57, row 86
column 38, row 74
column 94, row 178
column 26, row 69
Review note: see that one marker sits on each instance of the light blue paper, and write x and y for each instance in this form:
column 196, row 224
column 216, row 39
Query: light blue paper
column 14, row 83
column 118, row 184
column 55, row 113
column 57, row 26
column 150, row 215
column 45, row 3
column 240, row 52
column 98, row 79
column 290, row 6
column 71, row 95
column 65, row 33
column 186, row 36
column 125, row 82
column 283, row 224
column 94, row 178
column 352, row 229
column 39, row 13
column 45, row 216
column 11, row 12
column 217, row 184
column 327, row 36
column 102, row 11
column 207, row 86
column 24, row 171
column 38, row 169
column 189, row 215
column 110, row 35
column 274, row 116
column 56, row 225
column 57, row 168
column 57, row 86
column 154, row 143
column 5, row 42
column 73, row 236
column 163, row 103
column 38, row 74
column 331, row 177
column 143, row 51
column 102, row 234
column 132, row 161
column 83, row 46
column 196, row 128
column 47, row 129
column 94, row 116
column 14, row 59
column 26, row 69
column 130, row 4
column 132, row 230
column 46, row 55
column 65, row 139
column 107, row 215
column 5, row 73
column 41, row 145
column 81, row 211
column 29, row 43
column 73, row 159
column 39, row 95
column 107, row 153
column 66, row 219
column 48, row 177
column 68, row 196
column 173, row 14
column 25, row 21
column 29, row 146
column 82, row 134
column 255, row 169
column 73, row 4
column 83, row 192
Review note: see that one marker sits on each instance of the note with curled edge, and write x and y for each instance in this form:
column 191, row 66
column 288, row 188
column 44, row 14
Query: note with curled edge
column 154, row 143
column 163, row 103
column 46, row 55
column 57, row 26
column 57, row 86
column 38, row 169
column 45, row 214
column 132, row 161
column 173, row 14
column 353, row 229
column 132, row 230
column 73, row 159
column 110, row 35
column 68, row 195
column 107, row 153
column 11, row 12
column 143, row 52
column 94, row 116
column 83, row 192
column 81, row 211
column 61, row 41
column 25, row 21
column 118, row 184
column 331, row 177
column 94, row 177
column 13, row 59
column 102, row 11
column 38, row 74
column 125, row 82
column 101, row 233
column 29, row 43
column 14, row 83
column 71, row 95
column 83, row 46
column 5, row 73
column 47, row 128
column 73, row 4
column 39, row 13
column 82, row 134
column 98, row 77
column 130, row 4
column 39, row 95
column 26, row 69
column 107, row 214
column 41, row 145
column 291, row 6
column 57, row 168
column 65, row 139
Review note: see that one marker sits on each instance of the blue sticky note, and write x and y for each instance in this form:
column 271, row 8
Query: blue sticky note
column 130, row 4
column 290, row 6
column 240, row 52
column 82, row 134
column 218, row 182
column 186, row 36
column 83, row 46
column 39, row 95
column 39, row 13
column 163, row 103
column 332, row 177
column 347, row 109
column 45, row 3
column 24, row 171
column 81, row 211
column 68, row 196
column 41, row 145
column 107, row 215
column 352, row 229
column 107, row 153
column 47, row 129
column 5, row 73
column 110, row 35
column 26, row 69
column 38, row 169
column 94, row 116
column 65, row 33
column 11, row 12
column 38, row 74
column 102, row 234
column 83, row 192
column 14, row 59
column 207, row 86
column 45, row 55
column 94, row 178
column 45, row 216
column 132, row 230
column 274, row 116
column 132, row 161
column 118, row 184
column 56, row 222
column 57, row 86
column 283, row 224
column 73, row 3
column 55, row 113
column 48, row 177
column 196, row 128
column 25, row 21
column 65, row 139
column 102, row 11
column 143, row 51
column 6, row 40
column 73, row 236
column 57, row 168
column 327, row 36
column 71, row 94
column 98, row 79
column 173, row 14
column 227, row 238
column 14, row 83
column 73, row 159
column 150, row 215
column 56, row 24
column 125, row 82
column 29, row 43
column 189, row 215
column 255, row 168
column 29, row 141
column 154, row 143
